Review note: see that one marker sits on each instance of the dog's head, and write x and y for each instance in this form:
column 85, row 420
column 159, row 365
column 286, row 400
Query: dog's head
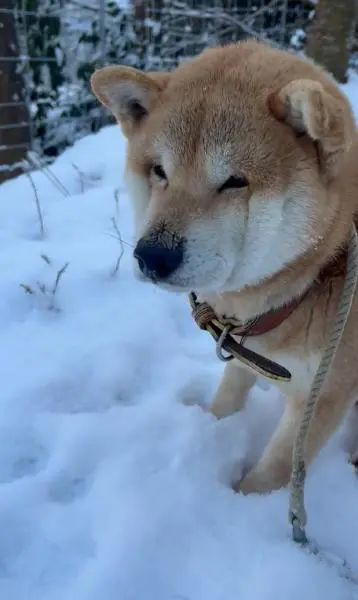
column 230, row 159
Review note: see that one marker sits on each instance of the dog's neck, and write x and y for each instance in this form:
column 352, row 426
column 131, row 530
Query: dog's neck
column 284, row 289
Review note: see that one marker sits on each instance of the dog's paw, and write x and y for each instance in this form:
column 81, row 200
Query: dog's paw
column 218, row 410
column 252, row 484
column 194, row 393
column 260, row 481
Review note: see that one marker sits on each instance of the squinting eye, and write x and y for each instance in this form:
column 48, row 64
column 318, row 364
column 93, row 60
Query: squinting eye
column 234, row 182
column 159, row 171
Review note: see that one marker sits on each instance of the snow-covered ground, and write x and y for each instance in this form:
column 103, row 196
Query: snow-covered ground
column 114, row 483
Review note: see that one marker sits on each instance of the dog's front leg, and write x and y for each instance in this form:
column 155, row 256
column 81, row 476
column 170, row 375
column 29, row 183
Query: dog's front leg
column 234, row 386
column 273, row 470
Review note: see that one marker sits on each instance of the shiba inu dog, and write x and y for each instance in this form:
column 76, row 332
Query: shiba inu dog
column 243, row 169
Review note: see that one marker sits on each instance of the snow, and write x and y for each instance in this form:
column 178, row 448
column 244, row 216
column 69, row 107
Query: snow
column 351, row 89
column 114, row 481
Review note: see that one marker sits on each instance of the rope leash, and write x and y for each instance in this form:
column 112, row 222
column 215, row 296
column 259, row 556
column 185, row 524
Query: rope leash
column 297, row 512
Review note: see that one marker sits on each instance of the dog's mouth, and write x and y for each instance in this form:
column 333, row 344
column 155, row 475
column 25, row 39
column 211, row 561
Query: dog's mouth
column 168, row 284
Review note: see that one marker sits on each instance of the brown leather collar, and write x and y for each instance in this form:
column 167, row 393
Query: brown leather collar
column 268, row 321
column 275, row 317
column 223, row 334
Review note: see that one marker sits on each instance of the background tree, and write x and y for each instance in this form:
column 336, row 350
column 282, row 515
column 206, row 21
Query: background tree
column 329, row 36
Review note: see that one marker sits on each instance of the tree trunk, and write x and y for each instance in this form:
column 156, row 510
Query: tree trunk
column 329, row 36
column 14, row 141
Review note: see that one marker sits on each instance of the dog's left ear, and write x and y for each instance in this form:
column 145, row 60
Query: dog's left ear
column 306, row 106
column 129, row 93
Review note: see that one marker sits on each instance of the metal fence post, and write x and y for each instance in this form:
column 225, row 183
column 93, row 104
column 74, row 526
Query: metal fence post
column 102, row 31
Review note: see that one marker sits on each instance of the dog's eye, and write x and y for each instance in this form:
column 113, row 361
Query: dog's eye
column 159, row 171
column 234, row 182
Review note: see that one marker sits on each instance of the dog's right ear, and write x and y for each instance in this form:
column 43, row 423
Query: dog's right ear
column 129, row 93
column 309, row 109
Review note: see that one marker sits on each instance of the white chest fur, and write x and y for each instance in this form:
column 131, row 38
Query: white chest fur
column 302, row 369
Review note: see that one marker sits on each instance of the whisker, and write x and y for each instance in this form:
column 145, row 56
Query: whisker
column 116, row 237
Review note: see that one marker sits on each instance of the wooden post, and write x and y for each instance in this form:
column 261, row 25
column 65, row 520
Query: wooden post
column 14, row 117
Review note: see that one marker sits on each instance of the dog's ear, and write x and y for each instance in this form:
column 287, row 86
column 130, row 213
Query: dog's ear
column 129, row 93
column 306, row 106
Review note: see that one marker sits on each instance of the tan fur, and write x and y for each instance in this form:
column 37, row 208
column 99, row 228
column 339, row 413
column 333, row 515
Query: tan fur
column 281, row 122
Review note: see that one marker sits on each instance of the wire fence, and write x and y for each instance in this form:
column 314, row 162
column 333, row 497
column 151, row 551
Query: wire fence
column 50, row 48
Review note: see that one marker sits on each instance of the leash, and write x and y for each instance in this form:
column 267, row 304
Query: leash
column 297, row 512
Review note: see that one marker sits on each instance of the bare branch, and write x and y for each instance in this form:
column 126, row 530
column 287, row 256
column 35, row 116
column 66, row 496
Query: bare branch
column 36, row 162
column 116, row 201
column 81, row 177
column 27, row 289
column 58, row 278
column 37, row 202
column 42, row 287
column 46, row 259
column 119, row 238
column 251, row 16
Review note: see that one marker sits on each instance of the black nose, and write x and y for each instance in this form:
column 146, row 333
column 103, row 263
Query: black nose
column 158, row 261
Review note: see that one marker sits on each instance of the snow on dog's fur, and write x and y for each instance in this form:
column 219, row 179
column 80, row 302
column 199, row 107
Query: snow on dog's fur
column 243, row 171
